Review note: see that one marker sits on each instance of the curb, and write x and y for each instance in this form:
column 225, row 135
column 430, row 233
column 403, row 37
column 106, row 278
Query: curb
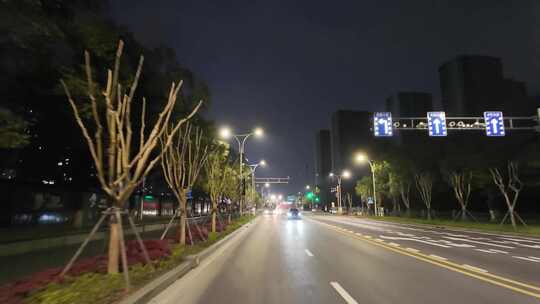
column 156, row 286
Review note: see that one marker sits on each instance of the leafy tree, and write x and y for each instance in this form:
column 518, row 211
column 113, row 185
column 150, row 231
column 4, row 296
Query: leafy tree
column 12, row 130
column 217, row 175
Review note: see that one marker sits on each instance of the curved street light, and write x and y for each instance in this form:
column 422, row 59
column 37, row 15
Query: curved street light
column 344, row 174
column 361, row 158
column 241, row 139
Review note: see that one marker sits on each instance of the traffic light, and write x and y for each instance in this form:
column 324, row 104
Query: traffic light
column 309, row 195
column 317, row 199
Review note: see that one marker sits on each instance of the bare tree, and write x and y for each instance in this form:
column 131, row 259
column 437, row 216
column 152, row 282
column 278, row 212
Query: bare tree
column 119, row 162
column 461, row 184
column 424, row 184
column 217, row 173
column 405, row 191
column 510, row 189
column 348, row 198
column 181, row 163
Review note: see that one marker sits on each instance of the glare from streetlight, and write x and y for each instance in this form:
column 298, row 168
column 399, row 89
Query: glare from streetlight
column 307, row 187
column 280, row 197
column 262, row 163
column 225, row 133
column 273, row 197
column 267, row 185
column 331, row 174
column 258, row 132
column 360, row 158
column 346, row 174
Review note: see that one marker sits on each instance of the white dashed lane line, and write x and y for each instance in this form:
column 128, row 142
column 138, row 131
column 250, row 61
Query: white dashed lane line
column 309, row 253
column 530, row 259
column 343, row 293
column 412, row 250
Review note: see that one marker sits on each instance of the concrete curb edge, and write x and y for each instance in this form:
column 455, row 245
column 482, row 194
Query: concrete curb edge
column 156, row 286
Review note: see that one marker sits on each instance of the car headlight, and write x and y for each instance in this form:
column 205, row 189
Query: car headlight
column 289, row 214
column 299, row 213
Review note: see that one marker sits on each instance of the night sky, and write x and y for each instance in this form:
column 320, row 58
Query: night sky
column 287, row 65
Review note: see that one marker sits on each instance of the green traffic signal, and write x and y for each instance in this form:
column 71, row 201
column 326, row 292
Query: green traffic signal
column 309, row 195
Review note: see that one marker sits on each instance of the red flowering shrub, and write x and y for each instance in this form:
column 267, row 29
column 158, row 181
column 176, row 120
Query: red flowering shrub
column 14, row 292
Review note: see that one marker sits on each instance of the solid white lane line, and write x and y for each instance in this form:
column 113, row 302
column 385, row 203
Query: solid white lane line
column 474, row 268
column 534, row 258
column 343, row 293
column 526, row 259
column 438, row 257
column 309, row 253
column 412, row 250
column 393, row 244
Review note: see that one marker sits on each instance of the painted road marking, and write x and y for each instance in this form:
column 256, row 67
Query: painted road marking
column 343, row 293
column 474, row 268
column 485, row 250
column 379, row 240
column 527, row 259
column 416, row 240
column 499, row 251
column 500, row 281
column 478, row 242
column 358, row 233
column 308, row 253
column 438, row 257
column 367, row 236
column 393, row 244
column 412, row 249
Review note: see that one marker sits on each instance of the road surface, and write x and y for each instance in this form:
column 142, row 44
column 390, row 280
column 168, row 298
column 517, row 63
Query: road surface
column 330, row 259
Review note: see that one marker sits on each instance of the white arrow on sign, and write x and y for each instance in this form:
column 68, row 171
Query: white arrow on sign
column 437, row 124
column 494, row 124
column 383, row 121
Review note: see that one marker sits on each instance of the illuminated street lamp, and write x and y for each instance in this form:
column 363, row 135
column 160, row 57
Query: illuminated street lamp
column 253, row 167
column 361, row 158
column 345, row 174
column 226, row 133
column 307, row 187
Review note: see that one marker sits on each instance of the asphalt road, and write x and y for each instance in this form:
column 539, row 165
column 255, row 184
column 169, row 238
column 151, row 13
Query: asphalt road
column 329, row 259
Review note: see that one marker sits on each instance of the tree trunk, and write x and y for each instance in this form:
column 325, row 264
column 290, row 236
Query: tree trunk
column 492, row 217
column 78, row 219
column 408, row 212
column 114, row 247
column 512, row 217
column 214, row 214
column 463, row 213
column 182, row 228
column 429, row 214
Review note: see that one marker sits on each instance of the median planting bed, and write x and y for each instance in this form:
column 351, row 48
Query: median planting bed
column 88, row 282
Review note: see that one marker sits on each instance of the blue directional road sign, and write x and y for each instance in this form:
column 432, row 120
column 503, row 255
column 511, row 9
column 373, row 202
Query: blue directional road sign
column 382, row 124
column 437, row 123
column 494, row 123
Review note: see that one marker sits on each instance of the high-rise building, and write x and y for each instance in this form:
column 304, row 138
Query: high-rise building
column 472, row 84
column 323, row 164
column 409, row 104
column 350, row 132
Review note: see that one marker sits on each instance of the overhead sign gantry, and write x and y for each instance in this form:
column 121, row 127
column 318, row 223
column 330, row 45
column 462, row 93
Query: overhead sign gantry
column 437, row 123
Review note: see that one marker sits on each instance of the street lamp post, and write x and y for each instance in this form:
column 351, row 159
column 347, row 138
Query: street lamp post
column 241, row 140
column 344, row 174
column 253, row 167
column 360, row 158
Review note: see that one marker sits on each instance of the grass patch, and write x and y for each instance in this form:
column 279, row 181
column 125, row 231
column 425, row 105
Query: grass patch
column 104, row 288
column 531, row 229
